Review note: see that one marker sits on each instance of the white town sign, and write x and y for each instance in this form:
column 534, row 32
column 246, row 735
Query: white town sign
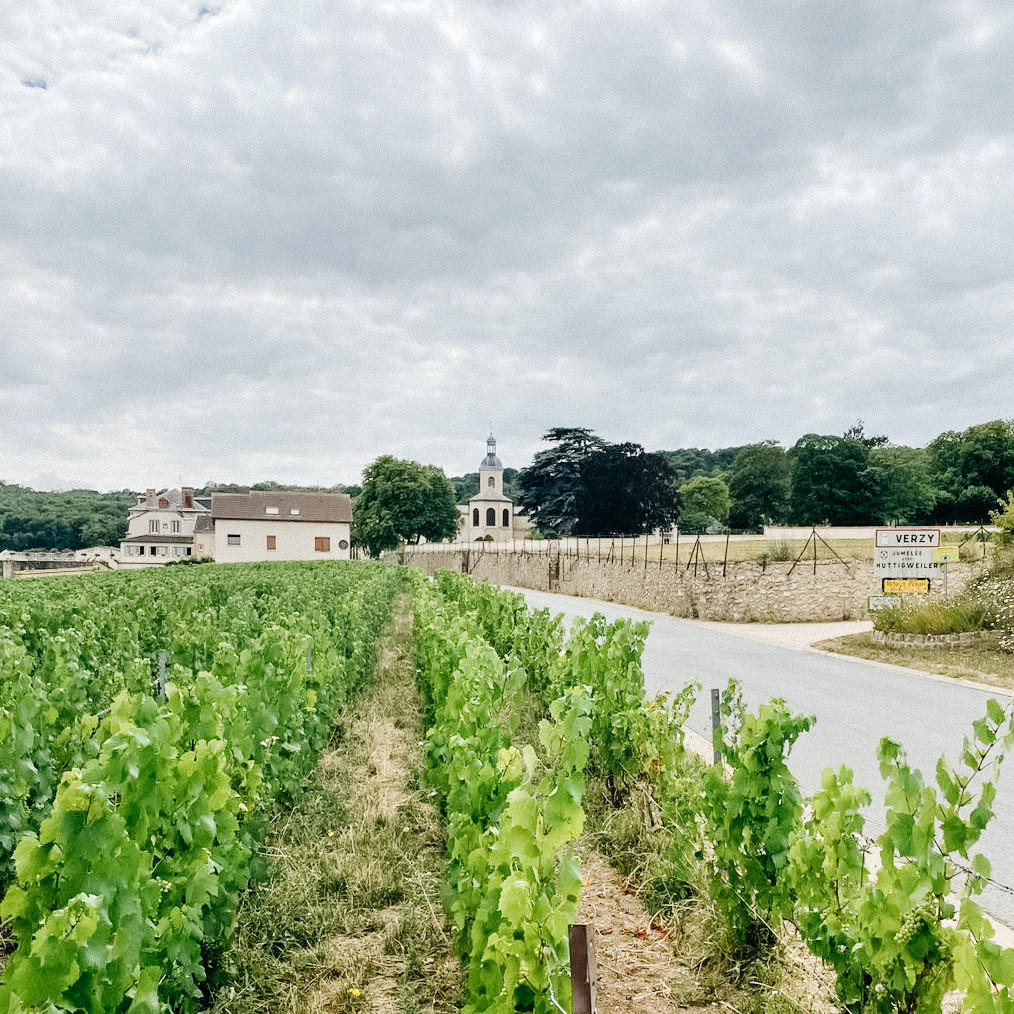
column 906, row 552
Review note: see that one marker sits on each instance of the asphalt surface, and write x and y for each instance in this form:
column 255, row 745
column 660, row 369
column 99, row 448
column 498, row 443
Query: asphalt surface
column 856, row 704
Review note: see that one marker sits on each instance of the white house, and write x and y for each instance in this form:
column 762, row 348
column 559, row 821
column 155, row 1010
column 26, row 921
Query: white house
column 279, row 525
column 160, row 526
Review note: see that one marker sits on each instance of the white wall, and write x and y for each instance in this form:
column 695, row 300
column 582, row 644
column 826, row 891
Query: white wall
column 294, row 540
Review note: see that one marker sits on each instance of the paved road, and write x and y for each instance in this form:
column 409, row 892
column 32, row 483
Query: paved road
column 856, row 703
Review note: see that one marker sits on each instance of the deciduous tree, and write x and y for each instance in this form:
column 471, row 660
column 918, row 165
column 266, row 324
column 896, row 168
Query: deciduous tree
column 759, row 485
column 705, row 499
column 585, row 486
column 832, row 482
column 403, row 501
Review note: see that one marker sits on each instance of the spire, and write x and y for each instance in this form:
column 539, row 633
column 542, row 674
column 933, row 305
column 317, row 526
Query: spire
column 491, row 460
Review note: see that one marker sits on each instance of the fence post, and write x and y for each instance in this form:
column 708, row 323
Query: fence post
column 160, row 681
column 309, row 658
column 582, row 968
column 716, row 725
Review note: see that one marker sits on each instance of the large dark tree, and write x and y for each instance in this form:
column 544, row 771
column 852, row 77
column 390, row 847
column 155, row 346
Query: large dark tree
column 759, row 485
column 585, row 486
column 907, row 492
column 403, row 501
column 627, row 491
column 833, row 483
column 552, row 489
column 967, row 467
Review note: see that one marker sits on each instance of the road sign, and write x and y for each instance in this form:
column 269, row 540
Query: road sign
column 945, row 554
column 907, row 538
column 878, row 602
column 906, row 585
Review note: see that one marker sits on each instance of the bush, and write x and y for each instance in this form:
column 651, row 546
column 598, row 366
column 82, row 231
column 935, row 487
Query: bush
column 782, row 551
column 937, row 616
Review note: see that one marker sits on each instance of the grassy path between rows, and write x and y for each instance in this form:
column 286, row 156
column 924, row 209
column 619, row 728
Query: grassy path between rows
column 350, row 919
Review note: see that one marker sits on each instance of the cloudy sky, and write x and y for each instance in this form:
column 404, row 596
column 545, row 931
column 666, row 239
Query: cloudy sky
column 245, row 239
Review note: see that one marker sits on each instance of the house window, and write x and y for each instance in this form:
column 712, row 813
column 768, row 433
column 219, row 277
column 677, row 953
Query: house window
column 232, row 540
column 343, row 544
column 322, row 544
column 176, row 528
column 506, row 518
column 270, row 540
column 163, row 502
column 151, row 550
column 153, row 528
column 475, row 517
column 491, row 517
column 270, row 510
column 294, row 511
column 491, row 482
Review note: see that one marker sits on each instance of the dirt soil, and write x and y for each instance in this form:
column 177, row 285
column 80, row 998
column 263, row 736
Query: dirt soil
column 636, row 967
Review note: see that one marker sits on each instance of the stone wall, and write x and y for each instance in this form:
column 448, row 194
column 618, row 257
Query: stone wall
column 748, row 592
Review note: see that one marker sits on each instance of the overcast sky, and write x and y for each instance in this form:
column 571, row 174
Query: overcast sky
column 249, row 239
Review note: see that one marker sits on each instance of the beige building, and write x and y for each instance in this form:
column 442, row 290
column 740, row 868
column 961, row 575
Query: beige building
column 490, row 514
column 160, row 527
column 281, row 526
column 204, row 538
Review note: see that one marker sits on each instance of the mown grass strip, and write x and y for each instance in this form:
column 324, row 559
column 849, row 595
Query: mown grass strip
column 349, row 919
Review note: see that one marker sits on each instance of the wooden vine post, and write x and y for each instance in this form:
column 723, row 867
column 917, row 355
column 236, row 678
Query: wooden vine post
column 582, row 968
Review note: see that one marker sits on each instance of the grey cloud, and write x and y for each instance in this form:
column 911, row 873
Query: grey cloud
column 309, row 234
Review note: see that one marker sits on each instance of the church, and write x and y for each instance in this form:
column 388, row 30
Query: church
column 490, row 514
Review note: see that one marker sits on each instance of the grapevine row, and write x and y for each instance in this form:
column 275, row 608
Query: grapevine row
column 127, row 875
column 899, row 933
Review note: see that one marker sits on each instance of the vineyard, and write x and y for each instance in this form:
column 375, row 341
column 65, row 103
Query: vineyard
column 152, row 723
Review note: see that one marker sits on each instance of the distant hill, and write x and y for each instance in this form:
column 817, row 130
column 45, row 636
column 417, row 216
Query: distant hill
column 73, row 519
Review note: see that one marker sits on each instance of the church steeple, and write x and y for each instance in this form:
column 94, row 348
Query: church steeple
column 491, row 511
column 491, row 460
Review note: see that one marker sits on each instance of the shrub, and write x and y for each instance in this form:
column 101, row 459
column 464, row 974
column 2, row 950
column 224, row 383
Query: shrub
column 782, row 551
column 937, row 616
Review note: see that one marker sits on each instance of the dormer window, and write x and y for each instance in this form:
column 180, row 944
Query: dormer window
column 270, row 510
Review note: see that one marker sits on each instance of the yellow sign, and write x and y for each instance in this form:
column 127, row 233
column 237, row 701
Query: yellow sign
column 945, row 554
column 906, row 585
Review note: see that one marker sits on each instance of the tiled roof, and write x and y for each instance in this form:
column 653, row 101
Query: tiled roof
column 253, row 506
column 159, row 540
column 204, row 523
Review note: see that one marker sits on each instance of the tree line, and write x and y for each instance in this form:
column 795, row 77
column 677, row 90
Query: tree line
column 582, row 485
column 73, row 519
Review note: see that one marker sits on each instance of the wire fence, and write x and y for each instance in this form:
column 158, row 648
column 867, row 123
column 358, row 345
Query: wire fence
column 696, row 553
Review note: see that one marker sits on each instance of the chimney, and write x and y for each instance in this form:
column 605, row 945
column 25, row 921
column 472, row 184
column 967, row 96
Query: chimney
column 149, row 497
column 188, row 496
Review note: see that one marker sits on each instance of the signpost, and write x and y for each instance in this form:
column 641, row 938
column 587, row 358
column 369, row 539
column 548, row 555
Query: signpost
column 905, row 560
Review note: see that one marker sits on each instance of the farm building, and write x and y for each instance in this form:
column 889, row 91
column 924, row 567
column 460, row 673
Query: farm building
column 279, row 525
